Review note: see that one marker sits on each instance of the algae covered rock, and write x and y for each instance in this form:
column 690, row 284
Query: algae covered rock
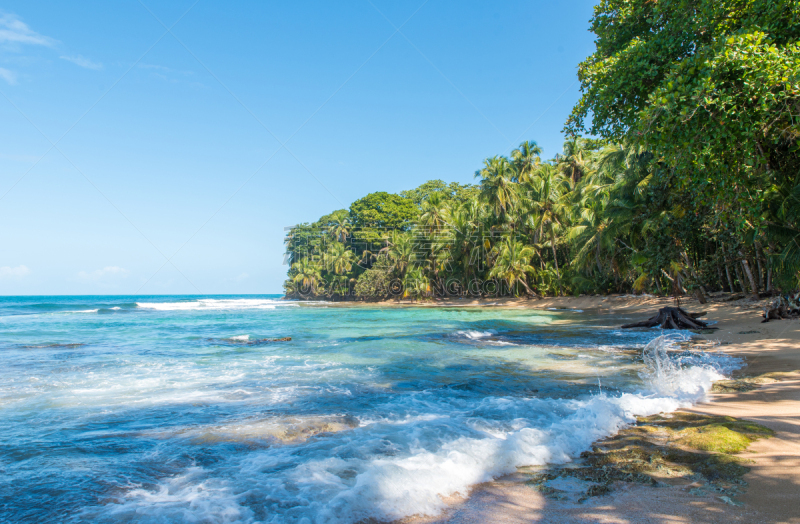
column 672, row 448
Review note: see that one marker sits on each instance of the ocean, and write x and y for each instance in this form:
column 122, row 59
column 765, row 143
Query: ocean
column 183, row 408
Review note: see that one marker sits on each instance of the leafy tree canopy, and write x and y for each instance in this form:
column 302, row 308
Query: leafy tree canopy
column 710, row 87
column 332, row 218
column 383, row 210
column 452, row 191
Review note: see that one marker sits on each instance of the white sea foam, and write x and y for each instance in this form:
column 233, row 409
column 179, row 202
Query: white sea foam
column 215, row 304
column 84, row 311
column 240, row 338
column 502, row 343
column 424, row 448
column 475, row 335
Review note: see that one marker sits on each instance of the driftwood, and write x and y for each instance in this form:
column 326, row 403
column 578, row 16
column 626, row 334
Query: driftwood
column 673, row 318
column 782, row 307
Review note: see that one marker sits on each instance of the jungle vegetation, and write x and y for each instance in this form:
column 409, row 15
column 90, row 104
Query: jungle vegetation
column 681, row 172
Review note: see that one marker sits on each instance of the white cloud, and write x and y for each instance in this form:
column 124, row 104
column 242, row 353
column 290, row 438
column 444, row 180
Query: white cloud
column 15, row 31
column 14, row 272
column 105, row 274
column 154, row 66
column 167, row 73
column 8, row 76
column 82, row 61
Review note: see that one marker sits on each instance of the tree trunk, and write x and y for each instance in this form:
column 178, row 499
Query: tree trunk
column 730, row 281
column 528, row 289
column 739, row 278
column 555, row 257
column 673, row 318
column 674, row 283
column 692, row 271
column 760, row 269
column 749, row 273
column 597, row 258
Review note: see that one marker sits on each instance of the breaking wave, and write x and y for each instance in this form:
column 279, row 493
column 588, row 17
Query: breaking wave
column 416, row 450
column 215, row 304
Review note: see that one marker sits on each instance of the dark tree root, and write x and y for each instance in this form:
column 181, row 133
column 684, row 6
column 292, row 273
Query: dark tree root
column 673, row 318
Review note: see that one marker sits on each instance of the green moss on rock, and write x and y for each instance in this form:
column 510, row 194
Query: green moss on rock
column 680, row 445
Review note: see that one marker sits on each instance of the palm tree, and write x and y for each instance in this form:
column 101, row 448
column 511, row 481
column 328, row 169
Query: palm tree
column 401, row 250
column 467, row 239
column 307, row 274
column 498, row 188
column 576, row 160
column 341, row 227
column 338, row 259
column 434, row 212
column 547, row 201
column 513, row 263
column 526, row 160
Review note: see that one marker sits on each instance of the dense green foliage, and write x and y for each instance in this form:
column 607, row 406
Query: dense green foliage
column 451, row 191
column 382, row 210
column 711, row 88
column 692, row 183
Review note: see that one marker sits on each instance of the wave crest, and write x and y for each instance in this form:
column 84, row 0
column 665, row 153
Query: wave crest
column 215, row 304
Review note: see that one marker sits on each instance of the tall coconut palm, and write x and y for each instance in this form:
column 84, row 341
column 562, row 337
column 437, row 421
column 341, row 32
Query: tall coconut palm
column 307, row 274
column 434, row 212
column 547, row 201
column 589, row 232
column 575, row 163
column 513, row 263
column 401, row 251
column 467, row 238
column 341, row 227
column 526, row 160
column 498, row 188
column 338, row 259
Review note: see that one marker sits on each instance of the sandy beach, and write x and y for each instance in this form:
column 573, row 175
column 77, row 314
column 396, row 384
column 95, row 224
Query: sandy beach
column 772, row 354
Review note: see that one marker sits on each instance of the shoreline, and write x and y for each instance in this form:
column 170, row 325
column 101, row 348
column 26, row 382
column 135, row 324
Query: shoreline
column 773, row 482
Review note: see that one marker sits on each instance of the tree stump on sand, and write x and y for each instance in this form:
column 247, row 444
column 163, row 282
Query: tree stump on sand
column 673, row 318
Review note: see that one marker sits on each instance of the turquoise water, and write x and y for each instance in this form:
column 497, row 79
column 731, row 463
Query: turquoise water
column 174, row 409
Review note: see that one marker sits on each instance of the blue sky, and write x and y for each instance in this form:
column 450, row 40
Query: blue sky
column 134, row 159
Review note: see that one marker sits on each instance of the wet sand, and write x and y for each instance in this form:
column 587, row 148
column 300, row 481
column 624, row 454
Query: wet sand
column 773, row 492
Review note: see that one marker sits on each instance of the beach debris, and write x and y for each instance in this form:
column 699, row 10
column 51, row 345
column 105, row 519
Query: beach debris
column 782, row 307
column 673, row 318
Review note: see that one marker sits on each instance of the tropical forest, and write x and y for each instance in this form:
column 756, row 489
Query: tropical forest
column 680, row 174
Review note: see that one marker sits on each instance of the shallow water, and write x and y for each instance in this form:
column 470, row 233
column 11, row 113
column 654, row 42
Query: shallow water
column 173, row 409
